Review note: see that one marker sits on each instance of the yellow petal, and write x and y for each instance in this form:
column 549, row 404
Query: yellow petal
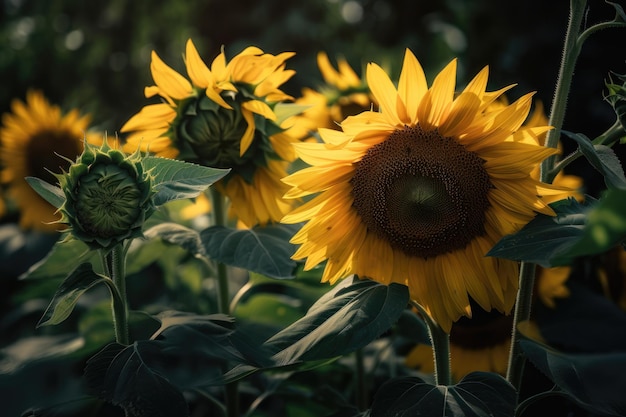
column 437, row 101
column 412, row 85
column 384, row 91
column 171, row 82
column 196, row 68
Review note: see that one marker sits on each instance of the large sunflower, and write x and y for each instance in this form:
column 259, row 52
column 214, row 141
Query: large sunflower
column 33, row 137
column 418, row 192
column 224, row 118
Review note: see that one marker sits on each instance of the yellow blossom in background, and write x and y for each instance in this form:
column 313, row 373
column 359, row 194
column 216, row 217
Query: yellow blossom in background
column 418, row 192
column 34, row 137
column 223, row 117
column 343, row 94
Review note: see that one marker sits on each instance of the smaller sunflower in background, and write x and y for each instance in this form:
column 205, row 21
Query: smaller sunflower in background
column 223, row 117
column 418, row 192
column 343, row 94
column 34, row 137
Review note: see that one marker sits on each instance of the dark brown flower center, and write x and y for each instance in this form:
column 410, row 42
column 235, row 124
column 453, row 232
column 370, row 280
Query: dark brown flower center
column 423, row 193
column 43, row 150
column 483, row 330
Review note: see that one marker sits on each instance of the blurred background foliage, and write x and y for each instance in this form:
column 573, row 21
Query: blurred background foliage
column 96, row 55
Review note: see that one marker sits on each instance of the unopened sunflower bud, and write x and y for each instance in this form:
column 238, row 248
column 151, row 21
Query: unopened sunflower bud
column 108, row 196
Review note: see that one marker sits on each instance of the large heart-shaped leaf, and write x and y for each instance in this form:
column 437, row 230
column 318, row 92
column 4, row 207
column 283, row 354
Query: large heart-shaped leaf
column 479, row 394
column 343, row 320
column 263, row 249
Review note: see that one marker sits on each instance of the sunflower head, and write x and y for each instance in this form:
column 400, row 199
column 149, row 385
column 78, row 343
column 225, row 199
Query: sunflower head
column 419, row 191
column 32, row 138
column 223, row 116
column 343, row 94
column 108, row 196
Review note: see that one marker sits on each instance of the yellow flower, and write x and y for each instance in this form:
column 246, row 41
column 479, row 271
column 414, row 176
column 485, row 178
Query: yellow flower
column 32, row 137
column 344, row 94
column 418, row 192
column 223, row 117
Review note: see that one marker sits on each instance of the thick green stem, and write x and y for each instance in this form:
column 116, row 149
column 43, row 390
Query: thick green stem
column 522, row 313
column 571, row 50
column 231, row 394
column 440, row 342
column 116, row 265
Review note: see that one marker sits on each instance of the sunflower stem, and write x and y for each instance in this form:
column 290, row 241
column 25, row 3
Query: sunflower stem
column 116, row 266
column 515, row 367
column 440, row 342
column 571, row 50
column 231, row 392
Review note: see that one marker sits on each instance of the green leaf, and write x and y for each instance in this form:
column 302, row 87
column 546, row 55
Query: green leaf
column 26, row 350
column 347, row 318
column 76, row 284
column 546, row 240
column 52, row 194
column 175, row 180
column 606, row 225
column 601, row 158
column 131, row 377
column 595, row 381
column 177, row 234
column 263, row 249
column 620, row 15
column 479, row 394
column 62, row 258
column 213, row 337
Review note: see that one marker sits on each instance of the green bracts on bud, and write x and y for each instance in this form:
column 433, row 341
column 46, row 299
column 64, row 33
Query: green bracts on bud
column 108, row 196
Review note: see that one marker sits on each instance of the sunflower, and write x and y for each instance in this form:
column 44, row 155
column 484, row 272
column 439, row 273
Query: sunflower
column 223, row 118
column 343, row 94
column 33, row 137
column 419, row 191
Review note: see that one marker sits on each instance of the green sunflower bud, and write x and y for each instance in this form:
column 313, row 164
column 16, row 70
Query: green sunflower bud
column 617, row 98
column 108, row 196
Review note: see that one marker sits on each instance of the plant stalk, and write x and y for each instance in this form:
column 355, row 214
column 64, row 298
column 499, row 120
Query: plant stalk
column 571, row 50
column 440, row 342
column 116, row 265
column 231, row 394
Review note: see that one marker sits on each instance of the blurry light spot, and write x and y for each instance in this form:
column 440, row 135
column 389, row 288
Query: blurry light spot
column 74, row 39
column 21, row 32
column 352, row 11
column 452, row 35
column 118, row 61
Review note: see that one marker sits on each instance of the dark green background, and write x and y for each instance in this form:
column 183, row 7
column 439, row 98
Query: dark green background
column 105, row 71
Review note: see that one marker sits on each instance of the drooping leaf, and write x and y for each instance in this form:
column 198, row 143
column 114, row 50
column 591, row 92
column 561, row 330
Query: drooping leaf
column 177, row 234
column 64, row 300
column 213, row 337
column 62, row 258
column 131, row 377
column 175, row 180
column 36, row 348
column 347, row 318
column 263, row 249
column 595, row 381
column 601, row 158
column 605, row 227
column 546, row 240
column 52, row 194
column 479, row 394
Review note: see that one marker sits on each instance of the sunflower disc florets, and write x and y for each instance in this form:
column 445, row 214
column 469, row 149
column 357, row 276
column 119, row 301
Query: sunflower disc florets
column 108, row 196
